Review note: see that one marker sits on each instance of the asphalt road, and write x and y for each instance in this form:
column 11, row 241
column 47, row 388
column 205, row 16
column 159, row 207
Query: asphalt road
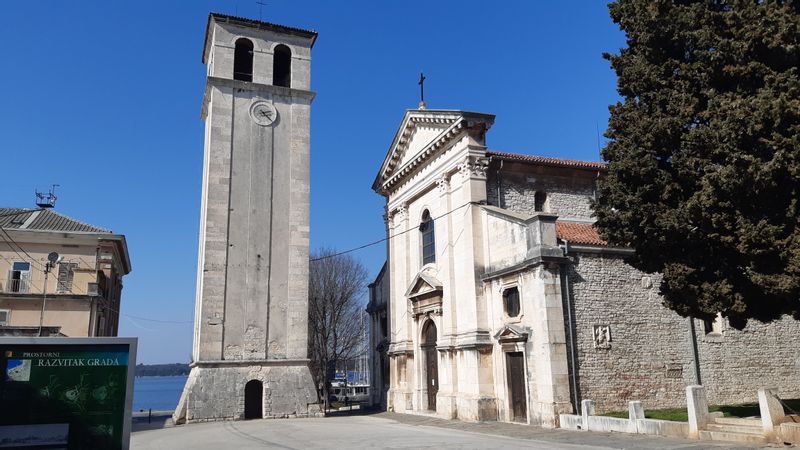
column 390, row 431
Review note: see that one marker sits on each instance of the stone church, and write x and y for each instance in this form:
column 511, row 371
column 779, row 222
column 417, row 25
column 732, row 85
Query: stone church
column 504, row 303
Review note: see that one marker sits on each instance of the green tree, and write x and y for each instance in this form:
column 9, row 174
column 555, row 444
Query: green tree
column 704, row 154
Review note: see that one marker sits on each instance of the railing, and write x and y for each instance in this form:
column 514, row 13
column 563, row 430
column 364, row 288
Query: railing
column 21, row 286
column 26, row 287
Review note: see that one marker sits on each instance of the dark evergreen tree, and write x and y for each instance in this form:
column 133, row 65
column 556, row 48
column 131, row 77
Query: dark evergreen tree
column 704, row 154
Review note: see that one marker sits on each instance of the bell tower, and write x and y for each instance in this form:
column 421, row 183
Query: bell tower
column 251, row 312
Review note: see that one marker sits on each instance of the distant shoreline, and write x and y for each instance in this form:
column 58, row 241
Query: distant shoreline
column 162, row 376
column 162, row 370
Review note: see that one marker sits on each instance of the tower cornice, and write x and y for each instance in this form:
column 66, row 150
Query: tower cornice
column 294, row 94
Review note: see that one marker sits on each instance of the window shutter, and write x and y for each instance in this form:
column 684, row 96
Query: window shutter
column 66, row 273
column 25, row 282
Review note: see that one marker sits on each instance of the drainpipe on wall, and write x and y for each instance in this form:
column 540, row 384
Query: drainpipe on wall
column 500, row 186
column 695, row 353
column 566, row 295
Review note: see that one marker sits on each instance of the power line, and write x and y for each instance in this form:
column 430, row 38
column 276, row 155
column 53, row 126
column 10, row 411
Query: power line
column 389, row 237
column 11, row 240
column 74, row 289
column 152, row 320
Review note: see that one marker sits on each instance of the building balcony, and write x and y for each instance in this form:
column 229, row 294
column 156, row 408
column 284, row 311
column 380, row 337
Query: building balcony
column 23, row 286
column 19, row 286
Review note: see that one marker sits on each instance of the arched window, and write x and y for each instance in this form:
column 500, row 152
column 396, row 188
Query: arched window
column 428, row 238
column 282, row 66
column 243, row 60
column 511, row 301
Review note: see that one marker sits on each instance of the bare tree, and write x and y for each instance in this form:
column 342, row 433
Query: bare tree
column 336, row 284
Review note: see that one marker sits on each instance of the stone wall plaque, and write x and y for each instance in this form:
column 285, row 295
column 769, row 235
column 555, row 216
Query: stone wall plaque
column 602, row 336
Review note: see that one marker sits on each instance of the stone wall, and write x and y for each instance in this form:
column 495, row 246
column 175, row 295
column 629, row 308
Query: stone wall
column 568, row 192
column 217, row 393
column 649, row 356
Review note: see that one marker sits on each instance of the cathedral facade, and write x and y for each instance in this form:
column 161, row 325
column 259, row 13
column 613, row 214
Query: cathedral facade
column 504, row 303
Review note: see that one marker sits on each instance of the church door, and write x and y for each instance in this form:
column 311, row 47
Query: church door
column 516, row 386
column 431, row 364
column 253, row 399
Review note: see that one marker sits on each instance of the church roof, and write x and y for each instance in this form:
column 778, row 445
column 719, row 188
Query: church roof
column 547, row 161
column 579, row 233
column 252, row 23
column 43, row 220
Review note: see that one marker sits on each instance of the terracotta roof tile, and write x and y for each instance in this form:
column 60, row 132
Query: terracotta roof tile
column 579, row 233
column 546, row 160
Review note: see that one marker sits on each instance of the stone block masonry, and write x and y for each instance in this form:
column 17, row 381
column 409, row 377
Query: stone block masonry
column 251, row 315
column 648, row 354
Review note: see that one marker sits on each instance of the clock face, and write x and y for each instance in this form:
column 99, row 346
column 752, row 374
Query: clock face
column 263, row 113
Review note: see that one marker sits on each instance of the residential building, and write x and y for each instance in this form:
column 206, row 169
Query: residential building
column 82, row 290
column 506, row 304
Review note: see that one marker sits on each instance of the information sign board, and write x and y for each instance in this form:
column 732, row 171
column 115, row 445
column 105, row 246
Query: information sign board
column 73, row 393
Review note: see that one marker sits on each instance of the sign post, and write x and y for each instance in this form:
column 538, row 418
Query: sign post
column 74, row 393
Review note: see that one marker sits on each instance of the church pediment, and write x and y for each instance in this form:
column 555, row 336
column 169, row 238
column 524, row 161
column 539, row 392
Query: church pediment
column 425, row 294
column 511, row 333
column 423, row 133
column 422, row 285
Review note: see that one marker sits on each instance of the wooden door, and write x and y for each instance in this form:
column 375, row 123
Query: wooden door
column 516, row 386
column 431, row 364
column 432, row 376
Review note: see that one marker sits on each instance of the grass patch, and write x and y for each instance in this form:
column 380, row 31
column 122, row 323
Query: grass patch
column 681, row 415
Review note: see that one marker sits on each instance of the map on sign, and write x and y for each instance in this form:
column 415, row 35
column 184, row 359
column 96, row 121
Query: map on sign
column 67, row 396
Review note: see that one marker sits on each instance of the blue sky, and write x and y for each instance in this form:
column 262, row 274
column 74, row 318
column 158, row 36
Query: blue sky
column 103, row 98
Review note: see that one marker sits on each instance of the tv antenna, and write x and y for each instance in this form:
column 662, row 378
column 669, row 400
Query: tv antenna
column 260, row 6
column 47, row 200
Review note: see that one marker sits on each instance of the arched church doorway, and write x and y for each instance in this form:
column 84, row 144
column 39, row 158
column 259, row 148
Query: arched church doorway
column 431, row 363
column 253, row 395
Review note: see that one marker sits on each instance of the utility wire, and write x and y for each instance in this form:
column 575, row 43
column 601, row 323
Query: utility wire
column 11, row 240
column 76, row 291
column 152, row 320
column 390, row 237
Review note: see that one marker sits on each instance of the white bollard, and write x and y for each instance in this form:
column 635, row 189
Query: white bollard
column 587, row 409
column 771, row 410
column 697, row 406
column 635, row 412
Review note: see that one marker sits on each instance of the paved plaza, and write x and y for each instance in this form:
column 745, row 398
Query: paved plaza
column 388, row 430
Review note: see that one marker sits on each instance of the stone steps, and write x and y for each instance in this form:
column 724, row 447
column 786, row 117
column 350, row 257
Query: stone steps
column 738, row 421
column 732, row 437
column 735, row 429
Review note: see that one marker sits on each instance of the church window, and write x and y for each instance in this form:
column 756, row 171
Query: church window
column 243, row 60
column 428, row 238
column 539, row 201
column 282, row 66
column 511, row 301
column 713, row 327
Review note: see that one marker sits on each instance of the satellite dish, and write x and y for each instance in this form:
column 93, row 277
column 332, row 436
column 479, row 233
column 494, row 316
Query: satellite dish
column 53, row 257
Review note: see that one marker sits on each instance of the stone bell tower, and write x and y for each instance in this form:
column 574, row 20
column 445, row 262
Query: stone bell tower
column 251, row 313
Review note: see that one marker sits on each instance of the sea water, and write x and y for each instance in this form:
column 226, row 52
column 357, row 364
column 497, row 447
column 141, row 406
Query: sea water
column 158, row 393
